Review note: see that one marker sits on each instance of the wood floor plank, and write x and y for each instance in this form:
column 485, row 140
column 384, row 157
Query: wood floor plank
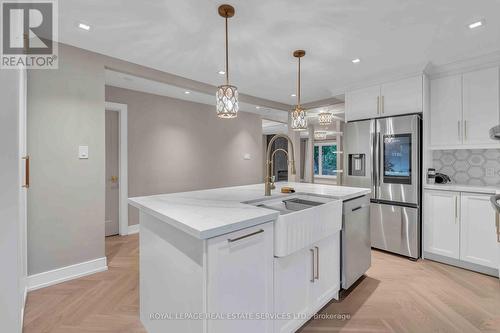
column 396, row 296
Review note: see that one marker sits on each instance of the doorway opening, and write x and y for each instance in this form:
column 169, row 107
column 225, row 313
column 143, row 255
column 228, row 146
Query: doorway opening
column 116, row 213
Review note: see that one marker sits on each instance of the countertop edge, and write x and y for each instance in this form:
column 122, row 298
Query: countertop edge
column 462, row 188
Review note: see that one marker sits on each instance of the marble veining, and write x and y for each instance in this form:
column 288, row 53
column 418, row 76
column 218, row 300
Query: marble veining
column 210, row 213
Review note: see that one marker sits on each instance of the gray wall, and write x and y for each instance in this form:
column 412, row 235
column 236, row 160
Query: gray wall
column 176, row 145
column 11, row 284
column 66, row 199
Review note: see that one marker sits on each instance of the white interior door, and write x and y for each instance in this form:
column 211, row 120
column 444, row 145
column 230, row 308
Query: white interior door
column 112, row 171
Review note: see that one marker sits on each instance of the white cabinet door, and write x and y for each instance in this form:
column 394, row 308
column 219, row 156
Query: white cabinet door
column 481, row 105
column 441, row 223
column 327, row 272
column 240, row 278
column 362, row 103
column 446, row 111
column 293, row 279
column 478, row 241
column 402, row 97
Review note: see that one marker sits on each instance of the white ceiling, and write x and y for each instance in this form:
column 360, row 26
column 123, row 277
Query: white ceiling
column 122, row 80
column 186, row 38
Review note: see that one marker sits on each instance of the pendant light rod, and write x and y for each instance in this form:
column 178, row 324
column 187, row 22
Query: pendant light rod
column 298, row 54
column 226, row 11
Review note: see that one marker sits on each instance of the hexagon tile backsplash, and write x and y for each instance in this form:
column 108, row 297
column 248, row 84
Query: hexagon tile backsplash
column 471, row 167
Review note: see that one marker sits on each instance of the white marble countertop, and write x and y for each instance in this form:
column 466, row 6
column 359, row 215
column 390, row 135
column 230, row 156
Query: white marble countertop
column 463, row 188
column 210, row 213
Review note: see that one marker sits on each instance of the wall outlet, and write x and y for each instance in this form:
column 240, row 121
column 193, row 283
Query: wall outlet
column 490, row 172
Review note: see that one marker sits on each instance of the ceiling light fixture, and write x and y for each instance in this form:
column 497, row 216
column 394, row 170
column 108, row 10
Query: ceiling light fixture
column 222, row 72
column 299, row 121
column 356, row 61
column 325, row 118
column 257, row 107
column 187, row 92
column 293, row 95
column 227, row 95
column 84, row 26
column 475, row 25
column 320, row 135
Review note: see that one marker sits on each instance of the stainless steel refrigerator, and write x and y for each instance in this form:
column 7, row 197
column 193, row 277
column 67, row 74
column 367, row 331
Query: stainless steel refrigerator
column 384, row 155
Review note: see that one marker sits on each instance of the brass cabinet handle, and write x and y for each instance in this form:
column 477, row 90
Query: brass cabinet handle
column 465, row 130
column 27, row 171
column 497, row 222
column 378, row 104
column 317, row 262
column 231, row 240
column 313, row 264
column 458, row 130
column 383, row 104
column 456, row 209
column 114, row 179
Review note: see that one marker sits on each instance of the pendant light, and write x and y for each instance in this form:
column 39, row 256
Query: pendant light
column 299, row 121
column 227, row 95
column 325, row 118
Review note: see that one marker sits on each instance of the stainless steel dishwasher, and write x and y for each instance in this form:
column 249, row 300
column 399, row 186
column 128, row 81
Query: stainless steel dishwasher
column 355, row 240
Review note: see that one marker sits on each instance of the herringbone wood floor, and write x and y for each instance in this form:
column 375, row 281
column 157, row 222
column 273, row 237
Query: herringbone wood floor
column 396, row 296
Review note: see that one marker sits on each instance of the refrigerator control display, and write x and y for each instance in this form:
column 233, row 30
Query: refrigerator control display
column 397, row 158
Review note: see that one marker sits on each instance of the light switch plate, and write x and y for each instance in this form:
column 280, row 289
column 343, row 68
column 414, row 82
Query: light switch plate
column 83, row 152
column 247, row 156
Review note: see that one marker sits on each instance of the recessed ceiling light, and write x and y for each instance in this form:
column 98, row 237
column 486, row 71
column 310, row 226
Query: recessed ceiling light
column 475, row 25
column 187, row 92
column 355, row 61
column 222, row 72
column 293, row 95
column 84, row 26
column 257, row 107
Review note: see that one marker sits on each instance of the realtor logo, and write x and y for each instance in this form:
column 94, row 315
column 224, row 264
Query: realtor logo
column 29, row 34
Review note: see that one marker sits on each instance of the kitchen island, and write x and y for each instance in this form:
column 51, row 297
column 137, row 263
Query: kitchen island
column 232, row 260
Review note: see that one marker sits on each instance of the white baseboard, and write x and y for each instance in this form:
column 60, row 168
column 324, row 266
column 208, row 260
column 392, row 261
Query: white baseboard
column 67, row 273
column 133, row 229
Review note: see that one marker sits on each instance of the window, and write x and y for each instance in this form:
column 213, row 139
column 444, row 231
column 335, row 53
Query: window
column 325, row 160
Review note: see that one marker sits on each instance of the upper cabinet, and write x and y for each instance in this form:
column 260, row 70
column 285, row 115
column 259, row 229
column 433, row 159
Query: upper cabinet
column 362, row 103
column 389, row 99
column 446, row 111
column 480, row 105
column 463, row 109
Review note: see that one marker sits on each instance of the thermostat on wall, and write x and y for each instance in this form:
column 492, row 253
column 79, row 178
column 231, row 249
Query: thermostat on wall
column 83, row 152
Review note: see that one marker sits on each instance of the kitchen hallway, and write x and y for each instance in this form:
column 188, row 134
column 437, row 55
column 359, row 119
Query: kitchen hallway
column 397, row 295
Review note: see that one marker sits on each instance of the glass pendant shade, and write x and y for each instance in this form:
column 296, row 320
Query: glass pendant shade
column 299, row 121
column 227, row 101
column 325, row 118
column 320, row 135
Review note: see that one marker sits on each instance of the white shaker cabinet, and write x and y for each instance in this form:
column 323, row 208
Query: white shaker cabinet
column 463, row 108
column 478, row 241
column 388, row 99
column 441, row 223
column 480, row 105
column 362, row 103
column 402, row 96
column 305, row 281
column 327, row 279
column 240, row 278
column 446, row 111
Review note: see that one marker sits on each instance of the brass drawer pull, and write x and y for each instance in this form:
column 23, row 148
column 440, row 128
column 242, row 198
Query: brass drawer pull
column 231, row 240
column 27, row 171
